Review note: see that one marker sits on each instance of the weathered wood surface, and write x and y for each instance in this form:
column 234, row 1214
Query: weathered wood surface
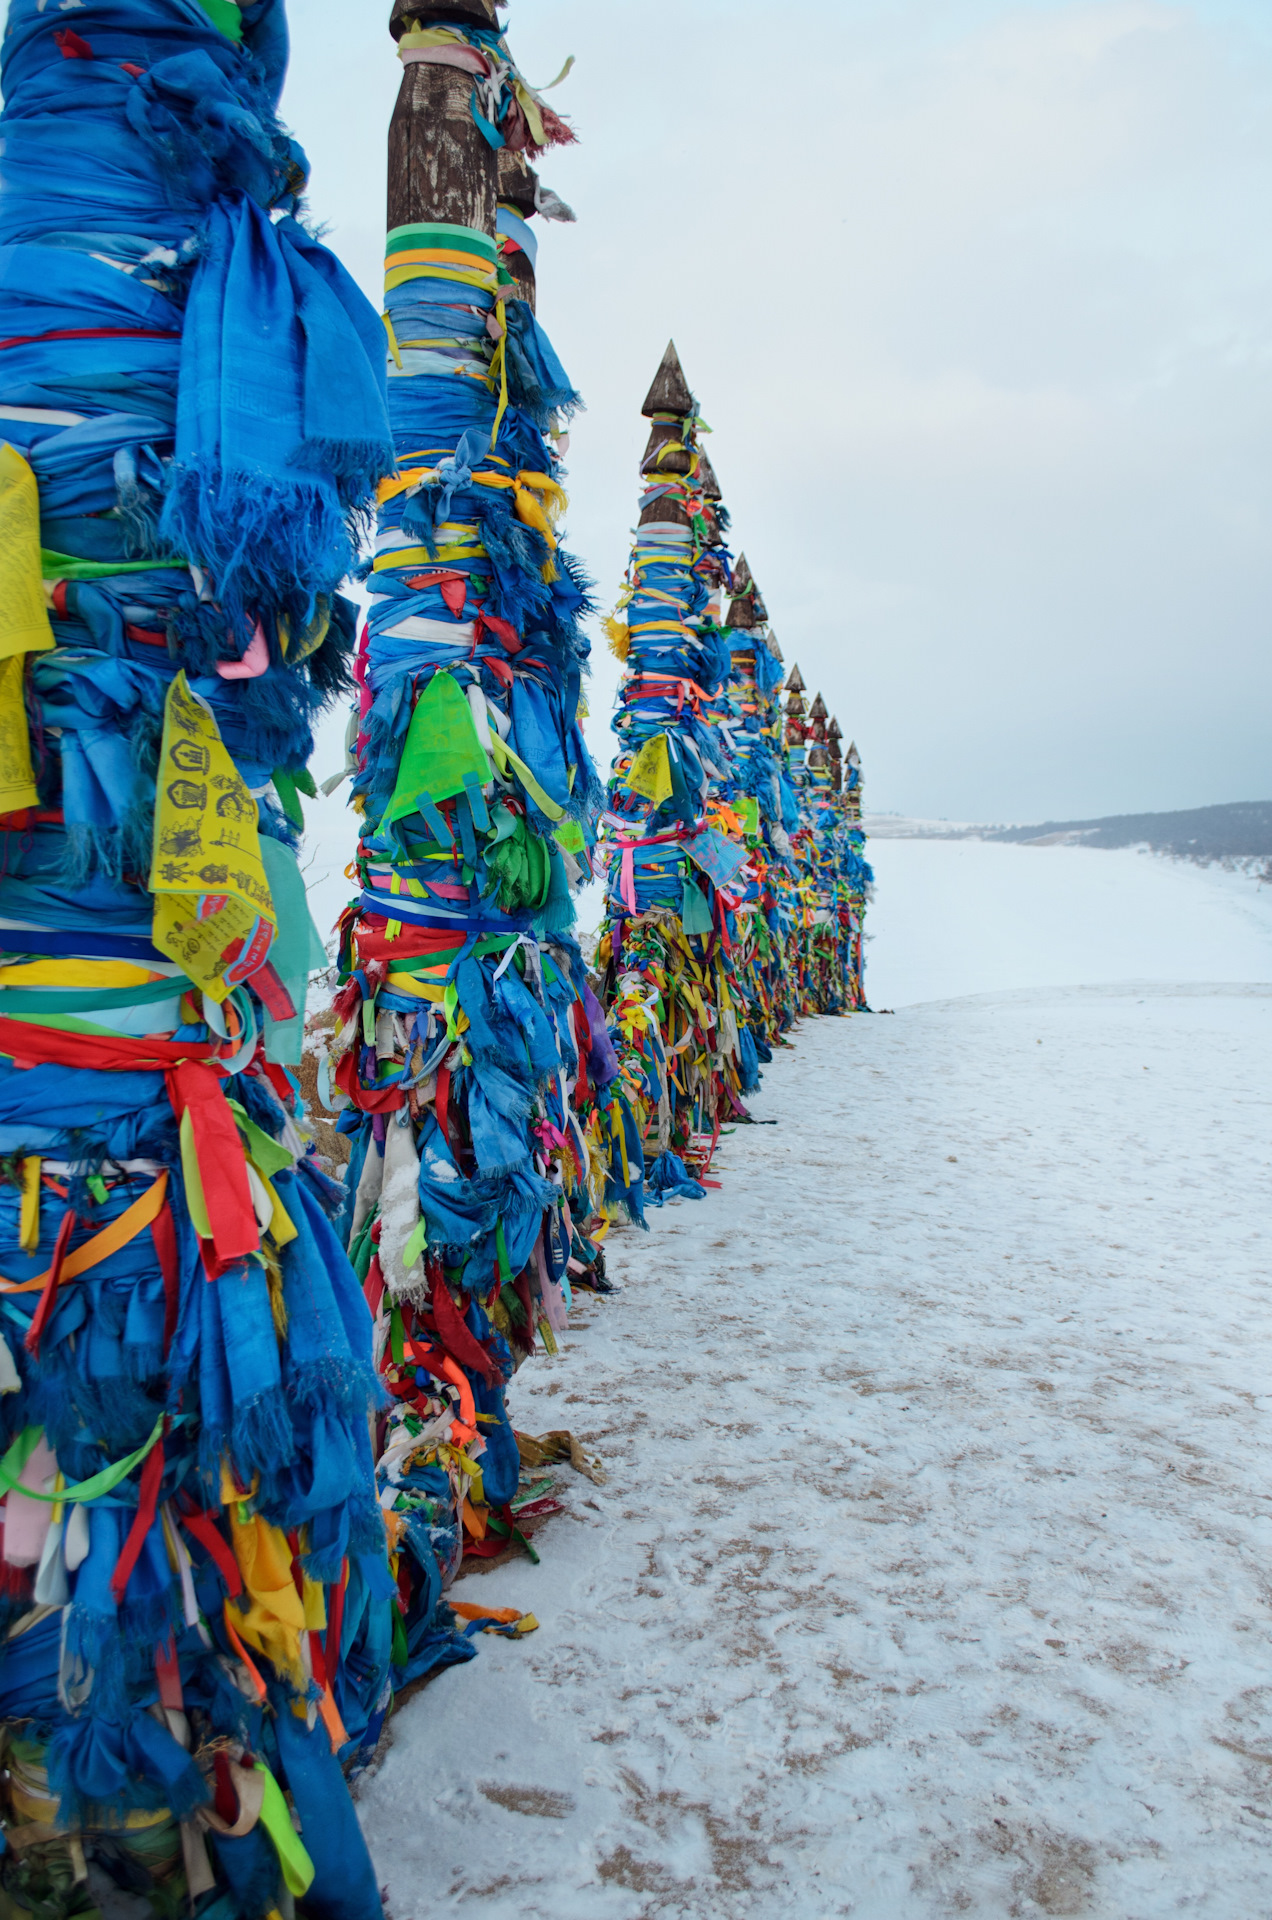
column 440, row 167
column 668, row 394
column 441, row 13
column 744, row 612
column 670, row 390
column 517, row 182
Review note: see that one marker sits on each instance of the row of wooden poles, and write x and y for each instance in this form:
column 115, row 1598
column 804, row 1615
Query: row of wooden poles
column 279, row 1619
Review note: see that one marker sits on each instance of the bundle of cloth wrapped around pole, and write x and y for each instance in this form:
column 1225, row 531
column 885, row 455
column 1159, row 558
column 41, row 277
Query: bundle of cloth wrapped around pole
column 253, row 1416
column 195, row 1595
column 470, row 1057
column 736, row 878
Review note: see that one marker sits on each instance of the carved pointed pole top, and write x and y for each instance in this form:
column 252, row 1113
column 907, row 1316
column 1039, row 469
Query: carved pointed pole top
column 672, row 449
column 834, row 733
column 774, row 649
column 670, row 390
column 818, row 710
column 852, row 756
column 795, row 681
column 747, row 609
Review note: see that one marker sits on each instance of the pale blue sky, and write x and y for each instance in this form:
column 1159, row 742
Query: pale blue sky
column 976, row 297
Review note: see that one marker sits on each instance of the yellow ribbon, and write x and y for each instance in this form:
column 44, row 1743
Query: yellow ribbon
column 77, row 973
column 276, row 1615
column 504, row 757
column 24, row 622
column 29, row 1219
column 421, row 557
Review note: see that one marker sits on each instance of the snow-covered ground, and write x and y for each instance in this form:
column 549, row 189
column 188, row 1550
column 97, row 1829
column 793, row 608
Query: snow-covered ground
column 932, row 1572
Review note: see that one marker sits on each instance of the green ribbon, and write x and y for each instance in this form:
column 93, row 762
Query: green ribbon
column 421, row 962
column 65, row 566
column 270, row 1155
column 298, row 1868
column 65, row 1023
column 501, row 1249
column 37, row 1001
column 92, row 1489
column 441, row 234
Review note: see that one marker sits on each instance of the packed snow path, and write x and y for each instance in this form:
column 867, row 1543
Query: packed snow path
column 934, row 1568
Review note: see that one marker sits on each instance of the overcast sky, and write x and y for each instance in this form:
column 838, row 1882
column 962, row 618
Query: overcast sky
column 976, row 296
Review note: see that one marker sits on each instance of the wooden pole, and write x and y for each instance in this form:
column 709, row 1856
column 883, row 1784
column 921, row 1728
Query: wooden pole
column 517, row 181
column 441, row 168
column 436, row 13
column 669, row 404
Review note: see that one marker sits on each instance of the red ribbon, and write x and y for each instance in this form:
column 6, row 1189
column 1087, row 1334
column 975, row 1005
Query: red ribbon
column 366, row 1099
column 457, row 1341
column 192, row 1071
column 164, row 1235
column 168, row 1675
column 335, row 1622
column 90, row 333
column 209, row 1536
column 143, row 1520
column 441, row 1102
column 40, row 1318
column 222, row 1166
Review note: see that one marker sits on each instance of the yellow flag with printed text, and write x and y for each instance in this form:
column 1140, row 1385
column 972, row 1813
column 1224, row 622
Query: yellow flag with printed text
column 213, row 911
column 650, row 772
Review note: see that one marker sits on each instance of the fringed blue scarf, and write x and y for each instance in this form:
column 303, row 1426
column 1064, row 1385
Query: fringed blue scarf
column 281, row 421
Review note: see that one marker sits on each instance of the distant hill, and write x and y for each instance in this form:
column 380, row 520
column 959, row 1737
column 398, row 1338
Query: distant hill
column 1241, row 830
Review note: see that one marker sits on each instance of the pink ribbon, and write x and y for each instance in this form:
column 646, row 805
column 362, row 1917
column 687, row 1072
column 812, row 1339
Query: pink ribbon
column 253, row 663
column 550, row 1293
column 465, row 58
column 366, row 698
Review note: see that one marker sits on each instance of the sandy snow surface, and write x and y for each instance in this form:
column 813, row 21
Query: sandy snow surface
column 934, row 1570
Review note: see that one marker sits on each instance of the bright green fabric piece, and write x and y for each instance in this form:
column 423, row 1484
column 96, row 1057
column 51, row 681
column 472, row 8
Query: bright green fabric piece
column 64, row 1022
column 298, row 1868
column 64, row 566
column 285, row 788
column 441, row 750
column 521, row 863
column 441, row 234
column 226, row 16
column 269, row 1155
column 92, row 1489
